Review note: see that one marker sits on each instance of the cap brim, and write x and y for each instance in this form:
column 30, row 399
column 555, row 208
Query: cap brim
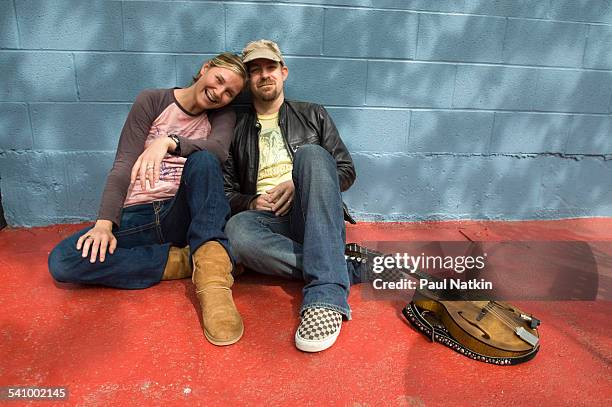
column 263, row 54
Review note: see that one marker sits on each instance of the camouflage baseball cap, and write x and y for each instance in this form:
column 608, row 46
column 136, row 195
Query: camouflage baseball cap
column 262, row 49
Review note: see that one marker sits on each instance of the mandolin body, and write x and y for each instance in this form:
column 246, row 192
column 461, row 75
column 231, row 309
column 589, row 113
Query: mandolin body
column 489, row 331
column 461, row 325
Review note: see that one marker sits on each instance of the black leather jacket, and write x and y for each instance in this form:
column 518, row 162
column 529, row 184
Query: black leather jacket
column 300, row 123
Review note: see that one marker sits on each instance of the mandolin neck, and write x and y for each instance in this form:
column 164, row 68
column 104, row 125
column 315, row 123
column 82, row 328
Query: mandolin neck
column 364, row 253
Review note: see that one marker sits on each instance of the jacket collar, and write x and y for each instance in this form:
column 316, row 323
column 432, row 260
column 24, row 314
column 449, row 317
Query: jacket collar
column 282, row 114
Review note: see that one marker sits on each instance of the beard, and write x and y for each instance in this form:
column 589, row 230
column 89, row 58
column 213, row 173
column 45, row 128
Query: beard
column 266, row 95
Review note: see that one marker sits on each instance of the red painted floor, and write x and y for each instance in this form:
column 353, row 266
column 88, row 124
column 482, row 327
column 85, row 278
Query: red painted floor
column 114, row 347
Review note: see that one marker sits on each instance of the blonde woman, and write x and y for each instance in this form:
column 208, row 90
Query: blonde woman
column 163, row 204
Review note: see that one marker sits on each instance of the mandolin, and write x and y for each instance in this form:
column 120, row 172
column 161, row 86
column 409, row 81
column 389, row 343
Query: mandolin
column 485, row 330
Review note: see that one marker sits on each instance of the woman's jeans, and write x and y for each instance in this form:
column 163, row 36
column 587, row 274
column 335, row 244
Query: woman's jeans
column 196, row 215
column 308, row 243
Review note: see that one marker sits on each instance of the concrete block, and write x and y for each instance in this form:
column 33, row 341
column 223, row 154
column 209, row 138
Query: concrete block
column 590, row 135
column 405, row 189
column 513, row 189
column 9, row 34
column 460, row 38
column 410, row 84
column 187, row 66
column 37, row 76
column 326, row 81
column 16, row 131
column 78, row 126
column 296, row 29
column 120, row 77
column 597, row 54
column 423, row 187
column 530, row 133
column 484, row 87
column 420, row 5
column 40, row 188
column 426, row 5
column 579, row 187
column 174, row 27
column 594, row 11
column 389, row 34
column 417, row 187
column 70, row 24
column 532, row 42
column 450, row 132
column 573, row 91
column 507, row 8
column 378, row 130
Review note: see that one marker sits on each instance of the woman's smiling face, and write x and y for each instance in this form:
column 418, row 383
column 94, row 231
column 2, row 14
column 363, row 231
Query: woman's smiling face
column 216, row 87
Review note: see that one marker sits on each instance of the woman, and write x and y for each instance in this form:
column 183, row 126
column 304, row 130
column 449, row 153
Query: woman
column 160, row 208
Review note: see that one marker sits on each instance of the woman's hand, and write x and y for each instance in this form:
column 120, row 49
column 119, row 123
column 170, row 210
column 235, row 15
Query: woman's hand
column 99, row 239
column 148, row 164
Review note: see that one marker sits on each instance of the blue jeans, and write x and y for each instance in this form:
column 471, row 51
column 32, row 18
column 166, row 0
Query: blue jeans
column 308, row 243
column 196, row 214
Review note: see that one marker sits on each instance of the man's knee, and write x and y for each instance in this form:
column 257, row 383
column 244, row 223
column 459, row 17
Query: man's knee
column 312, row 151
column 238, row 226
column 241, row 232
column 314, row 164
column 313, row 157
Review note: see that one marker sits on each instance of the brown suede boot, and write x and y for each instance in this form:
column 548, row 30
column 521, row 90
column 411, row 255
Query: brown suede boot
column 212, row 278
column 177, row 265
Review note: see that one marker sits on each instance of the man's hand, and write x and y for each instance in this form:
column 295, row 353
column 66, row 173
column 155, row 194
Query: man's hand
column 148, row 164
column 99, row 239
column 281, row 196
column 261, row 203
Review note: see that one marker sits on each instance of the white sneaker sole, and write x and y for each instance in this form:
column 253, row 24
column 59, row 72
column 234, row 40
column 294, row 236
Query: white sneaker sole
column 306, row 345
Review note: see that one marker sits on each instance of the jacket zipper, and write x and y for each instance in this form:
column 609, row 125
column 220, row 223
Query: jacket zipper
column 256, row 142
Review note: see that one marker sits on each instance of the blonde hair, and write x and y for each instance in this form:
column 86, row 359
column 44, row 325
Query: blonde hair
column 226, row 60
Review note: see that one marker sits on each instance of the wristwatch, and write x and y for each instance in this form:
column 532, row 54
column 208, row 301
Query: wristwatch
column 177, row 150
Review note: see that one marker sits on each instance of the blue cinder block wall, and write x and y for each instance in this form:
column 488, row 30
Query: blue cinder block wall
column 453, row 109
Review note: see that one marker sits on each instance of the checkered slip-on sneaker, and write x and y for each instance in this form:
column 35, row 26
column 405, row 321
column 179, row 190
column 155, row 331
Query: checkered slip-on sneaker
column 318, row 330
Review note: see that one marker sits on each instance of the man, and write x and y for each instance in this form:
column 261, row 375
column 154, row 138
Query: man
column 286, row 169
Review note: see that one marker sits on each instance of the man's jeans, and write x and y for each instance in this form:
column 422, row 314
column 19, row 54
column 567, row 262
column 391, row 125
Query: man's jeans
column 308, row 243
column 196, row 214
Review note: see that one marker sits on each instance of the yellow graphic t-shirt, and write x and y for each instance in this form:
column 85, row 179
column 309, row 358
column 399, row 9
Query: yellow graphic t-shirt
column 275, row 164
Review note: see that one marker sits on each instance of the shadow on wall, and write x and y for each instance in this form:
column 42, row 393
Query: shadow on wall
column 492, row 152
column 515, row 163
column 51, row 175
column 76, row 102
column 431, row 139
